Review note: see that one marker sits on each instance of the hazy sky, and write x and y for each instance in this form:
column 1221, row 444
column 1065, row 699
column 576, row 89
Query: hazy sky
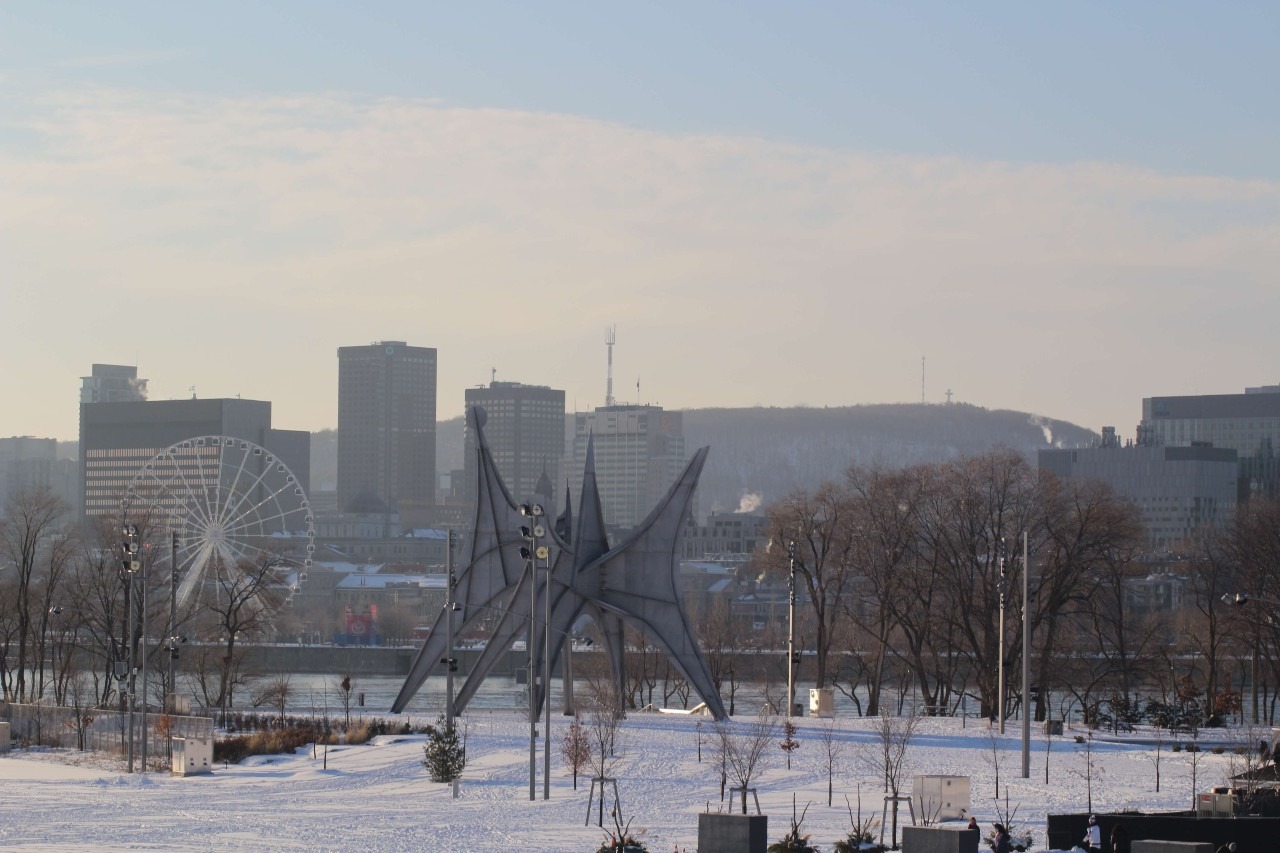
column 1064, row 207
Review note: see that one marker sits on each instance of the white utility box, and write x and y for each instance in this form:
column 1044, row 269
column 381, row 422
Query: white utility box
column 1216, row 803
column 192, row 756
column 822, row 702
column 936, row 798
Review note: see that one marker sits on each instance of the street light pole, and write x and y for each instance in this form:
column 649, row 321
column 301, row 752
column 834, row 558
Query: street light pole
column 171, row 705
column 791, row 626
column 1026, row 662
column 145, row 739
column 532, row 553
column 1000, row 664
column 546, row 686
column 450, row 662
column 130, row 564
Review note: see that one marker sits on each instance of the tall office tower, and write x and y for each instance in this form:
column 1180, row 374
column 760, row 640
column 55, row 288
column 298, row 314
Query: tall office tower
column 118, row 439
column 386, row 427
column 639, row 453
column 112, row 383
column 525, row 430
column 1247, row 423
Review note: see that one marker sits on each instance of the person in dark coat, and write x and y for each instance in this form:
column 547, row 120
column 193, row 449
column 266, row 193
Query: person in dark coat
column 1119, row 839
column 1002, row 841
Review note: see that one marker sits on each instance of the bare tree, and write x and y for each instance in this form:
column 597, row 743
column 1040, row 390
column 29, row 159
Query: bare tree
column 1194, row 755
column 972, row 513
column 30, row 527
column 886, row 756
column 819, row 526
column 1090, row 540
column 276, row 693
column 832, row 750
column 789, row 743
column 995, row 756
column 345, row 689
column 885, row 546
column 721, row 643
column 742, row 748
column 1089, row 768
column 242, row 601
column 603, row 722
column 575, row 749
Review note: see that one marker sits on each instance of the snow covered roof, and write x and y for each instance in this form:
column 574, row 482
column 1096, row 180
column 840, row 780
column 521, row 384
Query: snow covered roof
column 382, row 580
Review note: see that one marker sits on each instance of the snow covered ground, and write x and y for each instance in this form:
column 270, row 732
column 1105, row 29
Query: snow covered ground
column 377, row 796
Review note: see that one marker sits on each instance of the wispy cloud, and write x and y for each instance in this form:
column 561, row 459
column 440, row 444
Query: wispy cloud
column 129, row 58
column 249, row 237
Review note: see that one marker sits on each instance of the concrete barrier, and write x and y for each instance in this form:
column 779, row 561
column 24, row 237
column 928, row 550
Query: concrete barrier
column 734, row 833
column 939, row 839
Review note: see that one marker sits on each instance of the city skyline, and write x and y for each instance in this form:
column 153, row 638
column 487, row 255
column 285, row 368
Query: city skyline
column 1063, row 210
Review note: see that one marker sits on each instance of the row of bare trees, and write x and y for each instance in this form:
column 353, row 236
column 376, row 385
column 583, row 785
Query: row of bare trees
column 903, row 573
column 64, row 604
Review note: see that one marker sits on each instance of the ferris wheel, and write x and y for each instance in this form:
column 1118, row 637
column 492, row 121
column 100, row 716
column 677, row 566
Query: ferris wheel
column 229, row 501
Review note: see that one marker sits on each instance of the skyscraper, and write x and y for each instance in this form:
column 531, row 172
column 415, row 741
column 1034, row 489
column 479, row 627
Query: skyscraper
column 639, row 453
column 386, row 427
column 525, row 430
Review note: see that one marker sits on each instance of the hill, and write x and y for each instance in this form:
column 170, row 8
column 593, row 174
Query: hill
column 760, row 454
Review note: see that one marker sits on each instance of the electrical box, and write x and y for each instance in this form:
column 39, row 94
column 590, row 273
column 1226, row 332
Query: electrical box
column 822, row 702
column 1215, row 804
column 936, row 798
column 192, row 756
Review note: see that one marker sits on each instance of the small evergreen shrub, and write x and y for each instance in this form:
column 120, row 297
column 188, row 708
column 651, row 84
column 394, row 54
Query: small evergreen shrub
column 443, row 754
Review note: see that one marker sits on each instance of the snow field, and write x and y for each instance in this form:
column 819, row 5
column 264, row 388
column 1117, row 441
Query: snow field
column 377, row 796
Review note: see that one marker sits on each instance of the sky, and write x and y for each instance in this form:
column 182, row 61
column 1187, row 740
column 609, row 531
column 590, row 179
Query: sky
column 1059, row 208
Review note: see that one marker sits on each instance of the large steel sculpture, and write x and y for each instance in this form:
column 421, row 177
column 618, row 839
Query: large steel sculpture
column 634, row 583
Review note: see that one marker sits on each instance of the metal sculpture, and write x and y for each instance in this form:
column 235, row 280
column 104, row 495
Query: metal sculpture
column 634, row 583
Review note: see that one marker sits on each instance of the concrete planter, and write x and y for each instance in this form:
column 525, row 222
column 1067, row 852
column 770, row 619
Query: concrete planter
column 936, row 839
column 732, row 833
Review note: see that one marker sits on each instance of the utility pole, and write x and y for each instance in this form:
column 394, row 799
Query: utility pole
column 1000, row 671
column 532, row 553
column 171, row 704
column 450, row 662
column 144, row 643
column 131, row 565
column 1026, row 662
column 791, row 627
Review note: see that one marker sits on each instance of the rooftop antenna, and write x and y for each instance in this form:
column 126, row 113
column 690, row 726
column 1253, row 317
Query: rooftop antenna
column 922, row 380
column 192, row 389
column 637, row 390
column 611, row 337
column 493, row 375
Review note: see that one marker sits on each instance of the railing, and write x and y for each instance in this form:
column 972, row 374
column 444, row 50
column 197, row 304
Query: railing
column 95, row 729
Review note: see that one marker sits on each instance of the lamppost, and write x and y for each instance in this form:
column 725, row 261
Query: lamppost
column 532, row 553
column 1026, row 662
column 450, row 662
column 791, row 627
column 1240, row 599
column 173, row 640
column 52, row 654
column 131, row 565
column 1000, row 558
